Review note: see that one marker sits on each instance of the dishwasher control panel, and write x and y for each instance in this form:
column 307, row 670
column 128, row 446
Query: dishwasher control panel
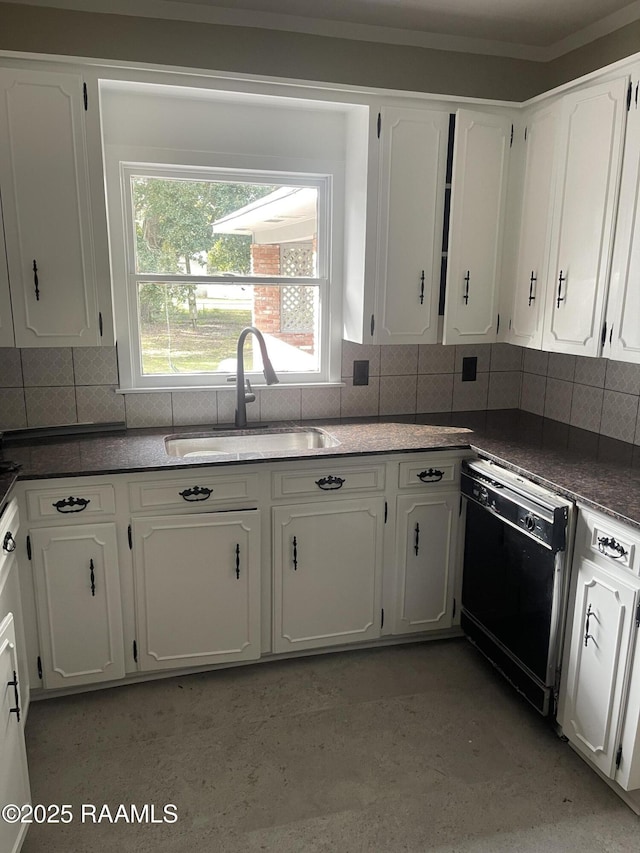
column 536, row 514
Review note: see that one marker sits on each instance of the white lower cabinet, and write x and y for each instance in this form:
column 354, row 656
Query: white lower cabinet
column 425, row 560
column 603, row 617
column 14, row 773
column 594, row 708
column 197, row 588
column 327, row 565
column 78, row 600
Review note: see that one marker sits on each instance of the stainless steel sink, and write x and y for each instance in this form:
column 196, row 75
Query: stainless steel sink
column 248, row 441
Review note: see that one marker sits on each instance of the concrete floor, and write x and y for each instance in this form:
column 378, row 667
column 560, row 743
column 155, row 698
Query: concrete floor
column 410, row 748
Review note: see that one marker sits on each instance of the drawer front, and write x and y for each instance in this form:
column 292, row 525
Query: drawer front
column 607, row 543
column 429, row 472
column 196, row 494
column 70, row 503
column 332, row 479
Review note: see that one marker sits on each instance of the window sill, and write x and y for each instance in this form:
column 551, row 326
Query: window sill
column 228, row 387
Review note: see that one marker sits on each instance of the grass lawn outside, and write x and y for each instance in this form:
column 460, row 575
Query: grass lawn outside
column 181, row 348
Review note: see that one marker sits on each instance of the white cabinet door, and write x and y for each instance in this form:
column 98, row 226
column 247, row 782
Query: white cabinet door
column 413, row 162
column 47, row 210
column 478, row 198
column 197, row 582
column 622, row 339
column 6, row 322
column 327, row 573
column 591, row 136
column 535, row 229
column 425, row 560
column 14, row 774
column 78, row 601
column 595, row 678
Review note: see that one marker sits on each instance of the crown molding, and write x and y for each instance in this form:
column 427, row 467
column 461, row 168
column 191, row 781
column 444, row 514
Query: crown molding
column 206, row 14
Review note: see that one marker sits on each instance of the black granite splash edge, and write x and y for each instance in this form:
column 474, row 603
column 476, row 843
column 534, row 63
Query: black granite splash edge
column 31, row 434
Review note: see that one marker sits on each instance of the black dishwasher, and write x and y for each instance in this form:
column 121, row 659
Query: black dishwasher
column 515, row 576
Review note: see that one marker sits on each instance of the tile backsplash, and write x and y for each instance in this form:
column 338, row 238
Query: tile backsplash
column 592, row 393
column 47, row 387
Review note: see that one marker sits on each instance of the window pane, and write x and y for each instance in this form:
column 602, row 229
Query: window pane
column 218, row 228
column 194, row 328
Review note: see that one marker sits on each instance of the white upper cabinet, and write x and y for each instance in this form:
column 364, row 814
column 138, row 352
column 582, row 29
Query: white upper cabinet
column 47, row 211
column 531, row 271
column 622, row 338
column 413, row 161
column 478, row 199
column 590, row 143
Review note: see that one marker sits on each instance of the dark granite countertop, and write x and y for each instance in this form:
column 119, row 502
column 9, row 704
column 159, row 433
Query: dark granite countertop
column 601, row 472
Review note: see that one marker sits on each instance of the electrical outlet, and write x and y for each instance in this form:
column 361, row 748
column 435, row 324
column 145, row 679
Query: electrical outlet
column 469, row 369
column 360, row 372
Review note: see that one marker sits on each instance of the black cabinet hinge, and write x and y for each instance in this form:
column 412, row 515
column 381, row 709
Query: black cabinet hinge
column 453, row 615
column 373, row 324
column 85, row 96
column 135, row 651
column 511, row 140
column 382, row 618
column 130, row 538
column 39, row 667
column 100, row 322
column 619, row 756
column 379, row 124
column 629, row 94
column 29, row 547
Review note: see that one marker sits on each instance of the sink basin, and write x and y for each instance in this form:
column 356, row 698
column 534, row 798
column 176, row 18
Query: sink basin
column 248, row 441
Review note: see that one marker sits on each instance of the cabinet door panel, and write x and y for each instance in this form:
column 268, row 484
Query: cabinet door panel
column 599, row 648
column 47, row 213
column 425, row 560
column 412, row 185
column 478, row 198
column 197, row 582
column 535, row 227
column 327, row 565
column 590, row 150
column 624, row 297
column 14, row 775
column 6, row 322
column 78, row 600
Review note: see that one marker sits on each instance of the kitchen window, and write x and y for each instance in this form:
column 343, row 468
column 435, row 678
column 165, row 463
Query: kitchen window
column 211, row 251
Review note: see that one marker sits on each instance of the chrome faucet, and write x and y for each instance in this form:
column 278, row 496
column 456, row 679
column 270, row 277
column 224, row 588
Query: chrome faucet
column 244, row 393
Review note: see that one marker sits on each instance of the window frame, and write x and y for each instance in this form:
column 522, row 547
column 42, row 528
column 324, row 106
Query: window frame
column 127, row 325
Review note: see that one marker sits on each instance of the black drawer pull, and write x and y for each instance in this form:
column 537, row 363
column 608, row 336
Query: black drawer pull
column 8, row 543
column 608, row 543
column 92, row 577
column 36, row 283
column 14, row 684
column 238, row 561
column 295, row 554
column 197, row 493
column 431, row 475
column 330, row 483
column 72, row 504
column 587, row 635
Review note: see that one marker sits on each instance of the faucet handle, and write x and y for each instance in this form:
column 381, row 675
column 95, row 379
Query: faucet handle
column 249, row 396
